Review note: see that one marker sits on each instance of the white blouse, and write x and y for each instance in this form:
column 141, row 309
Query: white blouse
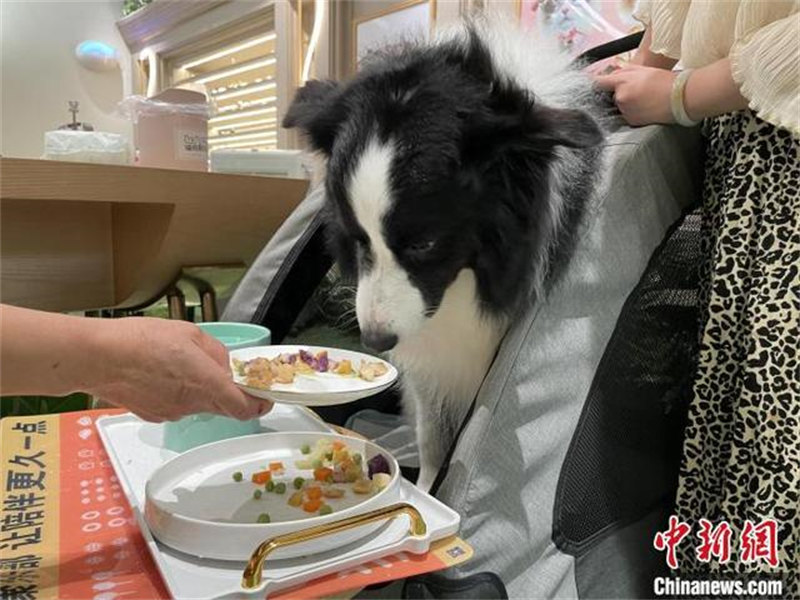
column 761, row 38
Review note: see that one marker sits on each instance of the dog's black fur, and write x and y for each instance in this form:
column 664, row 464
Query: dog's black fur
column 481, row 191
column 472, row 167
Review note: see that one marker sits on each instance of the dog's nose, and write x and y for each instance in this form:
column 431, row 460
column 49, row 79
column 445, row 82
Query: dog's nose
column 377, row 340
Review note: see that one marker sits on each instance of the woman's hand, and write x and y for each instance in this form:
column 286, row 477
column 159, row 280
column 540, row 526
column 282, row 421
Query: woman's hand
column 642, row 94
column 157, row 368
column 164, row 370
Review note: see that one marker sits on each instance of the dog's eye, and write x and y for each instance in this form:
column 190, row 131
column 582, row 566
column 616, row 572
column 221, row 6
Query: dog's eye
column 421, row 248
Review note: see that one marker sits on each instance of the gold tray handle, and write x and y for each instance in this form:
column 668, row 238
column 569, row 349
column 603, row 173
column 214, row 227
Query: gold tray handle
column 251, row 578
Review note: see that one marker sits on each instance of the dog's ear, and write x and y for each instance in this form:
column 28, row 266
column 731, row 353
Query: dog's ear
column 316, row 112
column 510, row 122
column 564, row 127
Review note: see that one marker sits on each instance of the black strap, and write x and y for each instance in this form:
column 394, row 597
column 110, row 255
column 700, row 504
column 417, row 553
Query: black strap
column 483, row 586
column 446, row 463
column 295, row 282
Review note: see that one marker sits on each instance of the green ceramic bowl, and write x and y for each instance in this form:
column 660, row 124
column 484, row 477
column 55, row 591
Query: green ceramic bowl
column 237, row 335
column 197, row 430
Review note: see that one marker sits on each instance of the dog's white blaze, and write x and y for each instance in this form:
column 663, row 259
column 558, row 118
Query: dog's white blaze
column 385, row 300
column 445, row 356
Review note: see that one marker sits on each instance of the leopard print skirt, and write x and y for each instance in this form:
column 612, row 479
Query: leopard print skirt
column 741, row 457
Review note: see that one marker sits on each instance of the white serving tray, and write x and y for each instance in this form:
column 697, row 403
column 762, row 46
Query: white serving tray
column 135, row 450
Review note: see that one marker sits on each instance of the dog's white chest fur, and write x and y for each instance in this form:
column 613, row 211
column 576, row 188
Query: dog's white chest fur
column 444, row 365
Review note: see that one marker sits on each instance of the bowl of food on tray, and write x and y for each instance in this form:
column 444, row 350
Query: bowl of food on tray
column 222, row 500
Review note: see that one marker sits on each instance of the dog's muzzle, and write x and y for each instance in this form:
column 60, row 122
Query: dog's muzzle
column 377, row 340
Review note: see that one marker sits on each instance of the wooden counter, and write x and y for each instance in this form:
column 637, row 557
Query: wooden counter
column 78, row 236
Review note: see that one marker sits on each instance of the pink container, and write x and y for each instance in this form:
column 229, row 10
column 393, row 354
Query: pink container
column 170, row 130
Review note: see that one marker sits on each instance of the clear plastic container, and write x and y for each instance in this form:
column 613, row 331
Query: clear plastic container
column 170, row 130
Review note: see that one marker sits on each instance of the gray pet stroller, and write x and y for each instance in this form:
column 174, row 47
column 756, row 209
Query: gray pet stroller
column 566, row 465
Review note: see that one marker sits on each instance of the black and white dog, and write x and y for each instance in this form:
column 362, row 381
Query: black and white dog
column 457, row 174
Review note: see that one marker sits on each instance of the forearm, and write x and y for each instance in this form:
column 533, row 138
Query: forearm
column 646, row 58
column 711, row 91
column 47, row 353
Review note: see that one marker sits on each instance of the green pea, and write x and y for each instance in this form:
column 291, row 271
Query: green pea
column 329, row 455
column 357, row 458
column 257, row 494
column 280, row 488
column 325, row 509
column 316, row 463
column 298, row 482
column 270, row 486
column 238, row 476
column 263, row 518
column 305, row 449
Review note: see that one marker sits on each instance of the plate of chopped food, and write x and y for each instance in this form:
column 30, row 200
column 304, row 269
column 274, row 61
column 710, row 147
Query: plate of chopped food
column 310, row 375
column 223, row 499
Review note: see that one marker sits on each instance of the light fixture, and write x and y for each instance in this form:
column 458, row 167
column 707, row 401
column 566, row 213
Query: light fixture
column 244, row 92
column 227, row 51
column 247, row 124
column 248, row 113
column 245, row 104
column 236, row 70
column 151, row 57
column 97, row 56
column 319, row 17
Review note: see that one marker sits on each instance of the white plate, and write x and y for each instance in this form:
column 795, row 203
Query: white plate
column 193, row 504
column 317, row 389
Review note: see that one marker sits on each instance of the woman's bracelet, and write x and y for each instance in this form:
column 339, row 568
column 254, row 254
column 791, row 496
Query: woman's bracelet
column 676, row 100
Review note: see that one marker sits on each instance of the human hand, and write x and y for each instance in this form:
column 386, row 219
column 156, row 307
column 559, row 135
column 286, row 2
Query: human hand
column 642, row 94
column 163, row 370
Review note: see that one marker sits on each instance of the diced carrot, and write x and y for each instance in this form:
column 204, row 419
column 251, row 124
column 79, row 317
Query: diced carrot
column 323, row 474
column 314, row 492
column 262, row 477
column 312, row 505
column 338, row 445
column 276, row 466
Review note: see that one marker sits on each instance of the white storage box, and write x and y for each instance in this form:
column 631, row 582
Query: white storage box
column 272, row 163
column 86, row 146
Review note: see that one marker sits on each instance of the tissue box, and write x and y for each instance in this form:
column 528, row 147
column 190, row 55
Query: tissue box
column 86, row 146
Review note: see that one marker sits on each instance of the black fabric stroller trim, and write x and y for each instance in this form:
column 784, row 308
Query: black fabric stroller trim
column 627, row 445
column 299, row 275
